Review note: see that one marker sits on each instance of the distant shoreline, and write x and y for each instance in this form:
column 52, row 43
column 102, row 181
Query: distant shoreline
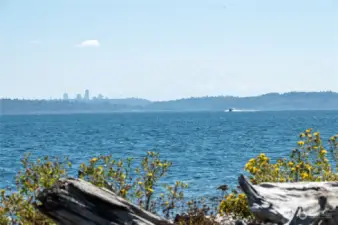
column 161, row 111
column 293, row 101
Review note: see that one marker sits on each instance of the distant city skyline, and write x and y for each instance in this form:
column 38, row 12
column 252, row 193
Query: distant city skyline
column 86, row 96
column 162, row 50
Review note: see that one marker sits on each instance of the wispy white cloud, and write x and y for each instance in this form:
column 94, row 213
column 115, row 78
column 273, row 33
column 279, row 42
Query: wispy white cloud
column 89, row 43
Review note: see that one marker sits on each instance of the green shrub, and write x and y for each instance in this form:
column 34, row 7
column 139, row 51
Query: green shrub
column 134, row 183
column 18, row 207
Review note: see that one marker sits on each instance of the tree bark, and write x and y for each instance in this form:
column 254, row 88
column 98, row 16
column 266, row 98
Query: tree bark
column 77, row 202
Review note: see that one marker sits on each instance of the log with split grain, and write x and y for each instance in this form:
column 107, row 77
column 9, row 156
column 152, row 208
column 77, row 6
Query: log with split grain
column 299, row 203
column 77, row 202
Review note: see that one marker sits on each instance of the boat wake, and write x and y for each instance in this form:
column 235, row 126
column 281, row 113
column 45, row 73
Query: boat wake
column 242, row 110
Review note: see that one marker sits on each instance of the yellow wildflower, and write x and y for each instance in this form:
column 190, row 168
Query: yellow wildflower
column 304, row 175
column 262, row 155
column 229, row 197
column 300, row 143
column 252, row 160
column 241, row 196
column 307, row 166
column 93, row 160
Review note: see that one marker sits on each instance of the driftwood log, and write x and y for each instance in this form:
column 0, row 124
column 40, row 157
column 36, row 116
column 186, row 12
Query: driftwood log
column 77, row 202
column 300, row 203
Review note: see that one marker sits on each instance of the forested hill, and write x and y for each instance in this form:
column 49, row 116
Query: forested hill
column 271, row 101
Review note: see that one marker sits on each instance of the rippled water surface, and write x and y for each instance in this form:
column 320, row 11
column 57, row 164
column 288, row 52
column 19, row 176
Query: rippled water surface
column 207, row 149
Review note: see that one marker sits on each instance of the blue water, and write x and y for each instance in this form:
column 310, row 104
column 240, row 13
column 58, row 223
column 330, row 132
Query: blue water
column 207, row 149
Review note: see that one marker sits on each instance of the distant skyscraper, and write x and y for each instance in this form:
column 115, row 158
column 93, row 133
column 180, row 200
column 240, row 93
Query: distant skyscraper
column 86, row 95
column 65, row 97
column 78, row 97
column 100, row 97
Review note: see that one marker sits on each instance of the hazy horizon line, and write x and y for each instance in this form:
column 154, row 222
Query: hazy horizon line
column 191, row 97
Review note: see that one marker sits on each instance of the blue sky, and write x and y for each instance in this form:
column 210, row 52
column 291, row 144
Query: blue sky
column 167, row 49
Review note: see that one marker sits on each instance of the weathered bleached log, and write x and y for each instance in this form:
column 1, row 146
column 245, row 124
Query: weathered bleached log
column 77, row 202
column 306, row 203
